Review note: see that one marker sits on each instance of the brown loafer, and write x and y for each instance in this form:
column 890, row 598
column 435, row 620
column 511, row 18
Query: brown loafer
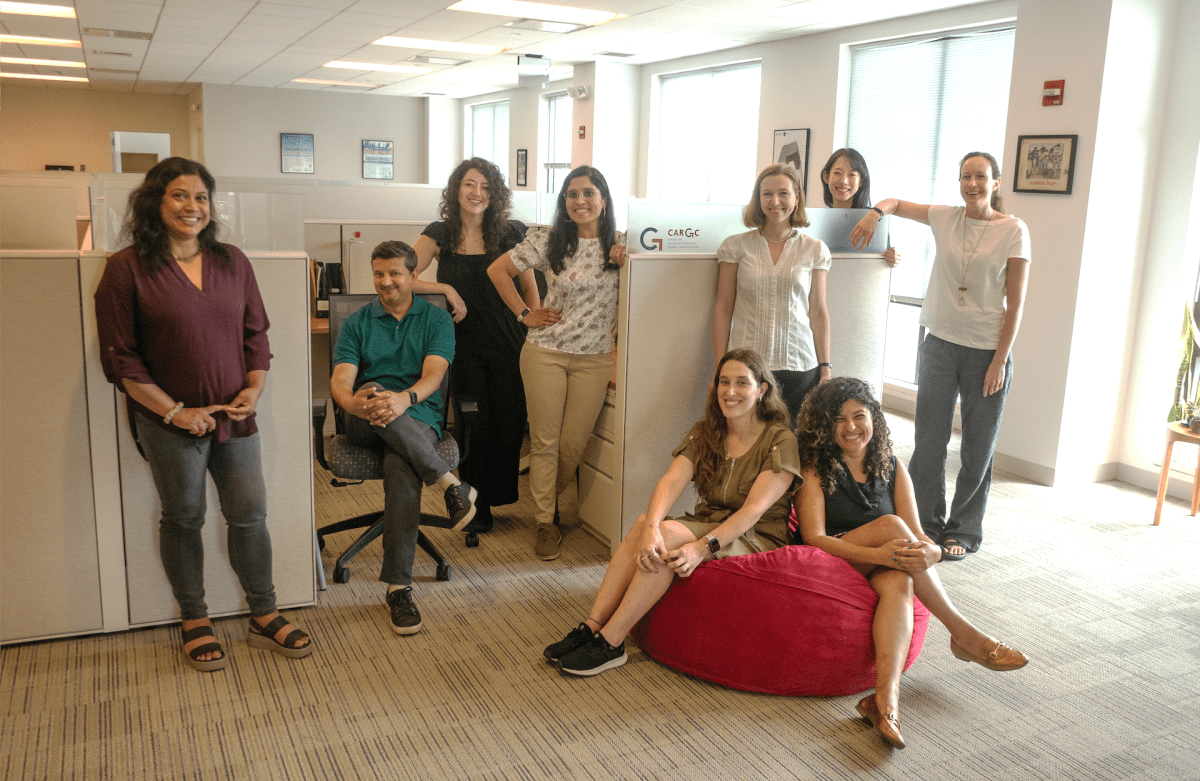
column 886, row 724
column 1002, row 658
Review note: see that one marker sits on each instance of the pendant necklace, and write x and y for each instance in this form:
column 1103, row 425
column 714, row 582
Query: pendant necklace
column 962, row 284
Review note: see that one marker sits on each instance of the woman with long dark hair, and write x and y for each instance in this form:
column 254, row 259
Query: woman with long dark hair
column 742, row 457
column 474, row 230
column 972, row 311
column 183, row 333
column 847, row 185
column 856, row 502
column 771, row 288
column 568, row 355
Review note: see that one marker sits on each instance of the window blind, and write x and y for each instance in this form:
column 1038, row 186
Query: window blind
column 489, row 133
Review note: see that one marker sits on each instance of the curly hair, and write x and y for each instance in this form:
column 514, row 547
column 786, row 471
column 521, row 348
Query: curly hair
column 564, row 235
column 711, row 430
column 144, row 226
column 499, row 209
column 862, row 198
column 815, row 430
column 753, row 215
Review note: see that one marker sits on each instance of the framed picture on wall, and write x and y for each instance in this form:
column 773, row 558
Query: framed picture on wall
column 791, row 148
column 1045, row 164
column 296, row 153
column 378, row 159
column 522, row 167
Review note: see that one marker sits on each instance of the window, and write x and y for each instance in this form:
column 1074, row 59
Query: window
column 489, row 133
column 915, row 108
column 556, row 144
column 707, row 145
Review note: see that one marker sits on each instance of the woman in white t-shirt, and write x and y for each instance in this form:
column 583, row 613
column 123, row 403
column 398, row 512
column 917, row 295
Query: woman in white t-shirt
column 567, row 359
column 771, row 288
column 972, row 310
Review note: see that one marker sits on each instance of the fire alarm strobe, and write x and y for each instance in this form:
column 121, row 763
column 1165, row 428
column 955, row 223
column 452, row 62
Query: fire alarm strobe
column 1052, row 92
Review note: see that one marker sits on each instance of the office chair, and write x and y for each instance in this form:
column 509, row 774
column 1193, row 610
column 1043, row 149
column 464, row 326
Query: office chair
column 351, row 464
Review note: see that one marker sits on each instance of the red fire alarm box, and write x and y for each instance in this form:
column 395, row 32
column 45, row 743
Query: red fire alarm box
column 1052, row 92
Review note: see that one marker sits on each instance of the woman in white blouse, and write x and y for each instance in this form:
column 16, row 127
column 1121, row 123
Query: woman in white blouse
column 771, row 288
column 567, row 359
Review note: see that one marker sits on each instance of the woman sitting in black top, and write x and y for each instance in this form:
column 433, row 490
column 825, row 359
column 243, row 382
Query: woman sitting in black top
column 857, row 503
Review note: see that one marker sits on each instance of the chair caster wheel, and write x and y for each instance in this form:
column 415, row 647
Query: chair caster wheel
column 472, row 540
column 341, row 575
column 443, row 572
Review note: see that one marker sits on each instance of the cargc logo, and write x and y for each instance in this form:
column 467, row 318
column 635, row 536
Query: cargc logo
column 654, row 244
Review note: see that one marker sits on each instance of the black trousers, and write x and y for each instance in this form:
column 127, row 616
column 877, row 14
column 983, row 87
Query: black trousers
column 494, row 454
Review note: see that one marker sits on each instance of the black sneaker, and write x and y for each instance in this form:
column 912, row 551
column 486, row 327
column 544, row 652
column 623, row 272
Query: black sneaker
column 593, row 657
column 406, row 619
column 460, row 504
column 575, row 638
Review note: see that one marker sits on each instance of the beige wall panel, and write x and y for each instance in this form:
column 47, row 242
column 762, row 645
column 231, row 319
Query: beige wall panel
column 41, row 125
column 856, row 292
column 49, row 570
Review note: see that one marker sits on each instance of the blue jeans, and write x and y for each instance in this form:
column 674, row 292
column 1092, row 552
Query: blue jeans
column 948, row 372
column 410, row 462
column 178, row 463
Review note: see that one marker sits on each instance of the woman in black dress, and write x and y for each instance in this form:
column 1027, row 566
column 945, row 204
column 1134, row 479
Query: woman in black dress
column 475, row 229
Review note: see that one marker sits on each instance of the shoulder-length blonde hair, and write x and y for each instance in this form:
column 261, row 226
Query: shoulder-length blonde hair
column 752, row 214
column 712, row 429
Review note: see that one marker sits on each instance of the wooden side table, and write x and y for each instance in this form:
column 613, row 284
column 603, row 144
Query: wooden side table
column 1177, row 432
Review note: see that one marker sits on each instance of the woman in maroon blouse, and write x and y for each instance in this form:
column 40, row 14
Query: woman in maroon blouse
column 183, row 332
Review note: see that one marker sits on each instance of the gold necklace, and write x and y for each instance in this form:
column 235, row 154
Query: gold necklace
column 962, row 284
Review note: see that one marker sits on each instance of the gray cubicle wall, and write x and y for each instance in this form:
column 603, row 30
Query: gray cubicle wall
column 49, row 559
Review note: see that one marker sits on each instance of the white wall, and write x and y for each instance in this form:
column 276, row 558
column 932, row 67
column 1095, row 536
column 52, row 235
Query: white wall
column 242, row 127
column 443, row 120
column 1172, row 250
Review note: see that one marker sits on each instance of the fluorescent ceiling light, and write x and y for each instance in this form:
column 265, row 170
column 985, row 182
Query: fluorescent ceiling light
column 37, row 40
column 439, row 46
column 47, row 78
column 48, row 63
column 550, row 13
column 329, row 83
column 37, row 9
column 374, row 66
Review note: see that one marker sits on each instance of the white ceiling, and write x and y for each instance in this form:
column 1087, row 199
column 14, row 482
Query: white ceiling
column 270, row 42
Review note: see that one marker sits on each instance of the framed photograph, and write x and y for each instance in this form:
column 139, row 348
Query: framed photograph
column 1045, row 164
column 378, row 159
column 296, row 153
column 522, row 167
column 791, row 148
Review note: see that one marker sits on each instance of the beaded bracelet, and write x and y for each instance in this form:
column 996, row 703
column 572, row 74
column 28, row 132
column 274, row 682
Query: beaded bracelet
column 172, row 413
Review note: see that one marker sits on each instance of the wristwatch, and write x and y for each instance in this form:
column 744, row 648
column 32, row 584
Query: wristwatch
column 714, row 544
column 521, row 317
column 412, row 397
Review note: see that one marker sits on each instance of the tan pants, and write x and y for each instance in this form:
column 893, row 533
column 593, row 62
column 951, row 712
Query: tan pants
column 564, row 393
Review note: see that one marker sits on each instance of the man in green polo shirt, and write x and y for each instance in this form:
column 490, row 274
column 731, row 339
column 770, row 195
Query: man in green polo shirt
column 388, row 366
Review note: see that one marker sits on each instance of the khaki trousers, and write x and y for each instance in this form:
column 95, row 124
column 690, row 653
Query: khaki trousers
column 564, row 393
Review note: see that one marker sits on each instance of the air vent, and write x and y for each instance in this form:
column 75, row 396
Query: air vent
column 115, row 71
column 111, row 54
column 615, row 55
column 421, row 58
column 100, row 33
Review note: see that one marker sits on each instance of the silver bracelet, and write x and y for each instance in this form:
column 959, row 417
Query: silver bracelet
column 172, row 413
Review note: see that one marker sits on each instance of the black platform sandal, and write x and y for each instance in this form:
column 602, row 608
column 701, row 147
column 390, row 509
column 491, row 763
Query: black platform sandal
column 192, row 657
column 264, row 637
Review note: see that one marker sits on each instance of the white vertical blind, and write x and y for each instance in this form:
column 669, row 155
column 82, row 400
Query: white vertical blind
column 489, row 133
column 915, row 108
column 557, row 147
column 707, row 146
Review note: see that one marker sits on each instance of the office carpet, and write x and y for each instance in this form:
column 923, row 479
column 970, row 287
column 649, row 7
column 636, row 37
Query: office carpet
column 1107, row 606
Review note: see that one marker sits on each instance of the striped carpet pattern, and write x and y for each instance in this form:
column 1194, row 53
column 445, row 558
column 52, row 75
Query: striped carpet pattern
column 1107, row 606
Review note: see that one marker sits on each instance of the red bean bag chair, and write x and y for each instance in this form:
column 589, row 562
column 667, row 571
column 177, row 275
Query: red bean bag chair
column 793, row 621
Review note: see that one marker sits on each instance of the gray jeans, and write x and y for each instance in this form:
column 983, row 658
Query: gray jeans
column 410, row 461
column 948, row 372
column 178, row 463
